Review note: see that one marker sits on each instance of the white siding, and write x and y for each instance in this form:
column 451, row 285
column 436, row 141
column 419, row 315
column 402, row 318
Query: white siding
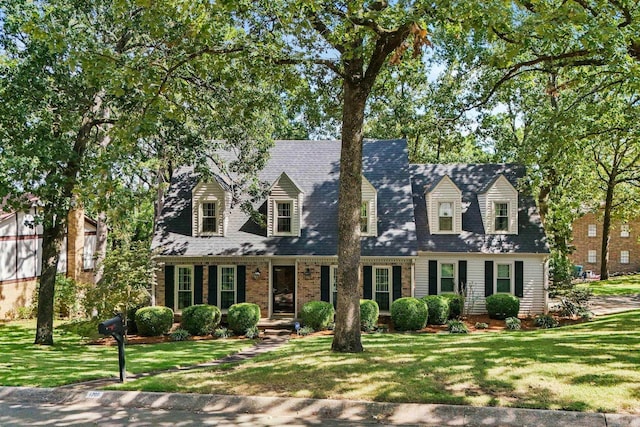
column 208, row 192
column 533, row 300
column 445, row 191
column 369, row 194
column 8, row 259
column 500, row 191
column 284, row 189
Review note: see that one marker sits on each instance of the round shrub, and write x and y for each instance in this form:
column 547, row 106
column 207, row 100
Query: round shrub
column 200, row 319
column 242, row 317
column 317, row 315
column 501, row 306
column 456, row 305
column 369, row 313
column 154, row 321
column 438, row 307
column 409, row 314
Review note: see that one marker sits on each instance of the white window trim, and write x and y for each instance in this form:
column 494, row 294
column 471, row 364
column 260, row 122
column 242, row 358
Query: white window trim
column 595, row 256
column 455, row 276
column 370, row 217
column 623, row 255
column 333, row 272
column 373, row 283
column 235, row 285
column 176, row 285
column 511, row 278
column 453, row 216
column 625, row 231
column 275, row 217
column 200, row 216
column 495, row 216
column 591, row 227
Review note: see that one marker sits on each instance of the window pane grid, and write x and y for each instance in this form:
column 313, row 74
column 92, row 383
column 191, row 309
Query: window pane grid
column 209, row 223
column 624, row 257
column 284, row 217
column 184, row 288
column 445, row 216
column 502, row 217
column 591, row 256
column 364, row 217
column 227, row 287
column 382, row 296
column 446, row 278
column 503, row 282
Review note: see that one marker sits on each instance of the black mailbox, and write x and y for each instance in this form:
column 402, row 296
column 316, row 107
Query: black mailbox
column 112, row 326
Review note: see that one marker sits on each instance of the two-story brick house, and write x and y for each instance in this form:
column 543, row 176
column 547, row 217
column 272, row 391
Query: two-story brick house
column 489, row 238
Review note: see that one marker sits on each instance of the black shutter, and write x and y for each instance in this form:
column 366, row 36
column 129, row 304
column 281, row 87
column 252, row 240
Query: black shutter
column 462, row 276
column 397, row 282
column 324, row 283
column 367, row 273
column 213, row 285
column 241, row 294
column 488, row 278
column 197, row 284
column 433, row 277
column 519, row 279
column 169, row 286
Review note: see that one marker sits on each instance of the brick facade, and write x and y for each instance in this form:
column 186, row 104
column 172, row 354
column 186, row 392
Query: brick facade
column 583, row 243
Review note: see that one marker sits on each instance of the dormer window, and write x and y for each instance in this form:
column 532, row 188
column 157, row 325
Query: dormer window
column 209, row 200
column 284, row 209
column 209, row 223
column 368, row 209
column 445, row 216
column 284, row 217
column 502, row 216
column 364, row 217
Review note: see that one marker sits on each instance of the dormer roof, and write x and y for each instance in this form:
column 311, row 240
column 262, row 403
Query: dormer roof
column 286, row 179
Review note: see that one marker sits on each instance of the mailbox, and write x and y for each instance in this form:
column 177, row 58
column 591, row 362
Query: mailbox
column 112, row 326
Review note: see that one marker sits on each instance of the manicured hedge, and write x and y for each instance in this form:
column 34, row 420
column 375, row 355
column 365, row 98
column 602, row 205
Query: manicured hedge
column 409, row 314
column 501, row 306
column 456, row 305
column 200, row 319
column 317, row 314
column 242, row 317
column 154, row 321
column 369, row 312
column 438, row 307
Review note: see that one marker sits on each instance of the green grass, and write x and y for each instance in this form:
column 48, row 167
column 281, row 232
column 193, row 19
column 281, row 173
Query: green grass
column 69, row 360
column 587, row 367
column 622, row 285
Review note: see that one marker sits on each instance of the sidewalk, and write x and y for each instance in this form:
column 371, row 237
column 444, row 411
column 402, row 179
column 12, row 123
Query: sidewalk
column 317, row 411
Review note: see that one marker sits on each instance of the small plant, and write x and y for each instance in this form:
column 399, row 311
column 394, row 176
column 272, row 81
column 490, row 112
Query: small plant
column 382, row 329
column 545, row 321
column 457, row 327
column 305, row 330
column 409, row 314
column 317, row 314
column 438, row 307
column 180, row 335
column 154, row 321
column 501, row 306
column 513, row 323
column 222, row 333
column 200, row 319
column 482, row 325
column 243, row 316
column 252, row 333
column 586, row 314
column 574, row 301
column 331, row 326
column 369, row 312
column 456, row 305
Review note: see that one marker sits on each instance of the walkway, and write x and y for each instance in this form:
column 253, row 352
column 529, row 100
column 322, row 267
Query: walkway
column 602, row 305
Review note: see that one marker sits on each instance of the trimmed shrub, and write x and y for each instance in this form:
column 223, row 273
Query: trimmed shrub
column 409, row 314
column 200, row 319
column 438, row 307
column 545, row 321
column 513, row 323
column 501, row 306
column 242, row 317
column 317, row 315
column 369, row 313
column 457, row 327
column 456, row 305
column 154, row 321
column 180, row 335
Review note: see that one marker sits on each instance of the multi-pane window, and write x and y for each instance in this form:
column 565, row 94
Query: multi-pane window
column 382, row 287
column 364, row 217
column 284, row 217
column 591, row 256
column 502, row 217
column 446, row 278
column 209, row 219
column 624, row 230
column 334, row 285
column 445, row 216
column 185, row 287
column 227, row 287
column 624, row 257
column 503, row 280
column 591, row 231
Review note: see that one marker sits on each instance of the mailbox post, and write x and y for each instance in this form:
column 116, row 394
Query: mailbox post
column 115, row 327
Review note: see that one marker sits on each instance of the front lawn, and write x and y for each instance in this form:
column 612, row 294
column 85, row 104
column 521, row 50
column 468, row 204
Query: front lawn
column 621, row 285
column 69, row 360
column 588, row 367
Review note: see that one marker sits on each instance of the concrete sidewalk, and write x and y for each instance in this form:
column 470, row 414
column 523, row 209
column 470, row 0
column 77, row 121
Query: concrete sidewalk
column 315, row 411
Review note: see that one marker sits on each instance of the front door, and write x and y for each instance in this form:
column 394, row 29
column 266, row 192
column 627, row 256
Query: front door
column 284, row 285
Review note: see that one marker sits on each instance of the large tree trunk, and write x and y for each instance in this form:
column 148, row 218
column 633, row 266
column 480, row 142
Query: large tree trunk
column 606, row 229
column 347, row 337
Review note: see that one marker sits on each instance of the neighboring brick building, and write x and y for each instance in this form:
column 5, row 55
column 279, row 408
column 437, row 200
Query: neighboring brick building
column 624, row 246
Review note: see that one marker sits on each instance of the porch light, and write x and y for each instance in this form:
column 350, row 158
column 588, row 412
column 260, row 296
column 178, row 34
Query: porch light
column 256, row 274
column 307, row 273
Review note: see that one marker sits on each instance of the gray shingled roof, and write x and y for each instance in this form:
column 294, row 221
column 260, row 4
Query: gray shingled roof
column 314, row 166
column 472, row 179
